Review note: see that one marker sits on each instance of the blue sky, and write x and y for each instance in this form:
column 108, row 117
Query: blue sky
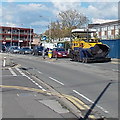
column 38, row 14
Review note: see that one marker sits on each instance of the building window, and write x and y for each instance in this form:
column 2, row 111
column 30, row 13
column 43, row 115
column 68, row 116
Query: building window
column 99, row 33
column 112, row 32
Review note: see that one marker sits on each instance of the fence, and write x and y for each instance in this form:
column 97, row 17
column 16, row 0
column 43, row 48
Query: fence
column 114, row 45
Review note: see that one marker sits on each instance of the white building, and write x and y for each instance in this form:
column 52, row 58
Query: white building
column 108, row 30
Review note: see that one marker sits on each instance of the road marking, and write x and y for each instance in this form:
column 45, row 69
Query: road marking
column 115, row 70
column 56, row 80
column 8, row 75
column 13, row 73
column 35, row 83
column 40, row 86
column 40, row 72
column 44, row 89
column 23, row 74
column 90, row 101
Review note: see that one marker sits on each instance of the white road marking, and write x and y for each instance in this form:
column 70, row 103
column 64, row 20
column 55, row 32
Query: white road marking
column 56, row 80
column 23, row 74
column 40, row 86
column 40, row 72
column 9, row 75
column 13, row 73
column 43, row 89
column 115, row 70
column 35, row 83
column 18, row 95
column 90, row 101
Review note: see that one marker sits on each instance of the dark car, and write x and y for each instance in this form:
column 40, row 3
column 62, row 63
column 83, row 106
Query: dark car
column 25, row 50
column 59, row 52
column 13, row 49
column 2, row 48
column 38, row 50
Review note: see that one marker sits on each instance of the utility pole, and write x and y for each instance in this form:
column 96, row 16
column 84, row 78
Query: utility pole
column 96, row 101
column 19, row 39
column 11, row 37
column 30, row 38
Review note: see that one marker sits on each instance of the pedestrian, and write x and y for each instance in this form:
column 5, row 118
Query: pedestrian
column 43, row 53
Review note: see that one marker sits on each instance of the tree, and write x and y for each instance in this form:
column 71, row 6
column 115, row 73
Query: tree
column 72, row 18
column 68, row 20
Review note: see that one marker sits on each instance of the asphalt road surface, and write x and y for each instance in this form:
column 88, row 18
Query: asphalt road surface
column 83, row 81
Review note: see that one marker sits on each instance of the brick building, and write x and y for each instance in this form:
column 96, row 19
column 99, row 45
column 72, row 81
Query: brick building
column 108, row 30
column 16, row 36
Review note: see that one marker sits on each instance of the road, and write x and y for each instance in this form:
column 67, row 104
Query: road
column 83, row 81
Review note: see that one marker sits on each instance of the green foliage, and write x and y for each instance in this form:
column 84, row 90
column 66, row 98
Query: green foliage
column 68, row 20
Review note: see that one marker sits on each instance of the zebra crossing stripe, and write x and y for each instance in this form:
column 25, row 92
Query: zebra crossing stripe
column 12, row 72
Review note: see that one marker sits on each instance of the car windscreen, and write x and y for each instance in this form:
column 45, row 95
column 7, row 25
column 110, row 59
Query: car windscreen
column 26, row 48
column 60, row 50
column 40, row 48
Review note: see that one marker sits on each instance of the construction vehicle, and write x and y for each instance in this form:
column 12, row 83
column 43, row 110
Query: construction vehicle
column 85, row 47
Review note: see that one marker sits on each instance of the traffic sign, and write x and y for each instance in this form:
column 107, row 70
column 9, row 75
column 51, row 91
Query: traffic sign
column 44, row 38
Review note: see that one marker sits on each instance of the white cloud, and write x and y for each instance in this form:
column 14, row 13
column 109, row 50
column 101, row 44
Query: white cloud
column 32, row 7
column 101, row 10
column 28, row 13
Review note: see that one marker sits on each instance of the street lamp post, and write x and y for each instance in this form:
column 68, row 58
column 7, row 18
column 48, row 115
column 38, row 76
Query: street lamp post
column 49, row 28
column 11, row 37
column 19, row 39
column 30, row 39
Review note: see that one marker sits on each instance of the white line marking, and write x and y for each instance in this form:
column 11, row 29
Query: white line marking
column 30, row 78
column 9, row 75
column 18, row 95
column 13, row 73
column 33, row 81
column 90, row 101
column 36, row 83
column 43, row 89
column 40, row 86
column 56, row 80
column 40, row 72
column 23, row 74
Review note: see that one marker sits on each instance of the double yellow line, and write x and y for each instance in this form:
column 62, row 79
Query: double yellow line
column 78, row 103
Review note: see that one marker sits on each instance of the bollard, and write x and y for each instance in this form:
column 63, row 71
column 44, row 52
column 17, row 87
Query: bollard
column 4, row 62
column 50, row 54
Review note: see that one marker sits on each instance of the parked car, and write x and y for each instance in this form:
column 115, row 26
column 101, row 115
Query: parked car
column 25, row 50
column 13, row 49
column 59, row 52
column 3, row 48
column 38, row 50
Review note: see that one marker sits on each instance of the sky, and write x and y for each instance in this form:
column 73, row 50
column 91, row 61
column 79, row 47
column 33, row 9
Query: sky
column 37, row 14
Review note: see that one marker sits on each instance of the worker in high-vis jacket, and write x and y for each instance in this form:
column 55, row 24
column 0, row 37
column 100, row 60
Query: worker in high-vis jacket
column 50, row 53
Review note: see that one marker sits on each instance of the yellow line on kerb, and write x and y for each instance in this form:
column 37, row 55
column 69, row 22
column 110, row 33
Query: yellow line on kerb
column 78, row 103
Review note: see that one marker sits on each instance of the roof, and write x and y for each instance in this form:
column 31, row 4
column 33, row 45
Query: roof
column 117, row 22
column 6, row 27
column 83, row 30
